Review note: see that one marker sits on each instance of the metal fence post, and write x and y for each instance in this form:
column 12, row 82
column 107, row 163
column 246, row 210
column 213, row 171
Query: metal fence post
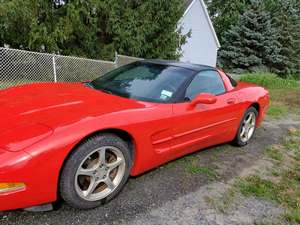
column 116, row 59
column 54, row 68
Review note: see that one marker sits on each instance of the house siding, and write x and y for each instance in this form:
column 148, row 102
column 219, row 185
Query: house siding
column 201, row 47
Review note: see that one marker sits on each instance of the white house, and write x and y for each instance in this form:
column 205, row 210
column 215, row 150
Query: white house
column 203, row 45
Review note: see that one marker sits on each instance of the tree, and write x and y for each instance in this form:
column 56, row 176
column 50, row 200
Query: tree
column 253, row 41
column 287, row 19
column 94, row 28
column 225, row 13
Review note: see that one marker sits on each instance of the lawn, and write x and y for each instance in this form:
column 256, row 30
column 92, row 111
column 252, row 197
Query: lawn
column 283, row 183
column 284, row 93
column 277, row 184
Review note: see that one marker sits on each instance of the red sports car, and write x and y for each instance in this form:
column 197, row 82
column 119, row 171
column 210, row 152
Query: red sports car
column 81, row 141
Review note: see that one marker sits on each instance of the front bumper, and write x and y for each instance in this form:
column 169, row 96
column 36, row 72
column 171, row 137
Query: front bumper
column 15, row 167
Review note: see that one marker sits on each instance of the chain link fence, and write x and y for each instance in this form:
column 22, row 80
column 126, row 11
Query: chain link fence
column 21, row 67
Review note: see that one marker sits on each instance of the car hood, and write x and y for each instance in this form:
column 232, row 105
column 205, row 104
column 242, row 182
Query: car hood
column 55, row 103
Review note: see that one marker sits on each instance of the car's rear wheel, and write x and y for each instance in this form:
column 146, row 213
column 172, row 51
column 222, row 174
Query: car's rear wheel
column 95, row 172
column 247, row 127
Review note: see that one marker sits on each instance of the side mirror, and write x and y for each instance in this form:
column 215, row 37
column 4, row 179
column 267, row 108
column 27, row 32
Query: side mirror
column 204, row 98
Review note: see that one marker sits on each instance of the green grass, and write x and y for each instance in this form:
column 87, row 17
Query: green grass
column 270, row 81
column 256, row 186
column 224, row 203
column 293, row 216
column 284, row 93
column 277, row 111
column 285, row 187
column 194, row 169
column 274, row 153
column 295, row 77
column 292, row 141
column 284, row 101
column 191, row 166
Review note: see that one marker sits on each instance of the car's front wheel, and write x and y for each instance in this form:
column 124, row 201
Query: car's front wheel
column 95, row 171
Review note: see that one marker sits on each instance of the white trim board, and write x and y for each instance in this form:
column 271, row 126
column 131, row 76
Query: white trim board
column 207, row 17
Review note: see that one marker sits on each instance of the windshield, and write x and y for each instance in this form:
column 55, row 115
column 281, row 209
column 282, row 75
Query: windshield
column 144, row 81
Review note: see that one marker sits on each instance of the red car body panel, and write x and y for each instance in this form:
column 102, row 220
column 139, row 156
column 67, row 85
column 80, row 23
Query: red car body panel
column 42, row 123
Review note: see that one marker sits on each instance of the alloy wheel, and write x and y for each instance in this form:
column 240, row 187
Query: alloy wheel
column 100, row 173
column 248, row 127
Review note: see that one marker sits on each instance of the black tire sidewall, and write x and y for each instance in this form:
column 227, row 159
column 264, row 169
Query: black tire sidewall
column 67, row 178
column 237, row 139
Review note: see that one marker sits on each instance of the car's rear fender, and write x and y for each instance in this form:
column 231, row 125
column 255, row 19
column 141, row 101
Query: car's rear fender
column 255, row 96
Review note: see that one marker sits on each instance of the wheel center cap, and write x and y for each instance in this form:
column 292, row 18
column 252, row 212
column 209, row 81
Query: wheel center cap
column 100, row 174
column 247, row 126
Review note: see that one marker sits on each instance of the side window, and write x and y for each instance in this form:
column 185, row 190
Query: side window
column 205, row 82
column 232, row 81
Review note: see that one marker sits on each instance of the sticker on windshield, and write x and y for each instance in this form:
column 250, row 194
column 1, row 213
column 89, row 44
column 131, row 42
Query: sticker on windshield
column 165, row 94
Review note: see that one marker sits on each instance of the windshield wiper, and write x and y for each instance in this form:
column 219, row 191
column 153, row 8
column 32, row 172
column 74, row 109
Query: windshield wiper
column 100, row 89
column 106, row 91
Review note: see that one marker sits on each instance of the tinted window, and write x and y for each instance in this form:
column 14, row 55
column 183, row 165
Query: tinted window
column 232, row 81
column 205, row 82
column 144, row 81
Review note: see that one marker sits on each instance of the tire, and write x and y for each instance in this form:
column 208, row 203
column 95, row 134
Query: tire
column 95, row 172
column 241, row 139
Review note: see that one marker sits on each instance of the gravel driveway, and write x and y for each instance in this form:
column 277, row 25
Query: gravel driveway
column 173, row 195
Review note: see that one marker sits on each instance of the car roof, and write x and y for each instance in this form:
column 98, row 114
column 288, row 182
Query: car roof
column 190, row 66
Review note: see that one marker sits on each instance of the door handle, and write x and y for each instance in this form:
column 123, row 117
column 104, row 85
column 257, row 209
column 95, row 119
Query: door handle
column 231, row 100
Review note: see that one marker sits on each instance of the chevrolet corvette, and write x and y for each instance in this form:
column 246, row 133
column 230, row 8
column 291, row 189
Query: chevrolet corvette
column 82, row 141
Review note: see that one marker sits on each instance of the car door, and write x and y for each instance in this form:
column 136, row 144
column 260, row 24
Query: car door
column 205, row 124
